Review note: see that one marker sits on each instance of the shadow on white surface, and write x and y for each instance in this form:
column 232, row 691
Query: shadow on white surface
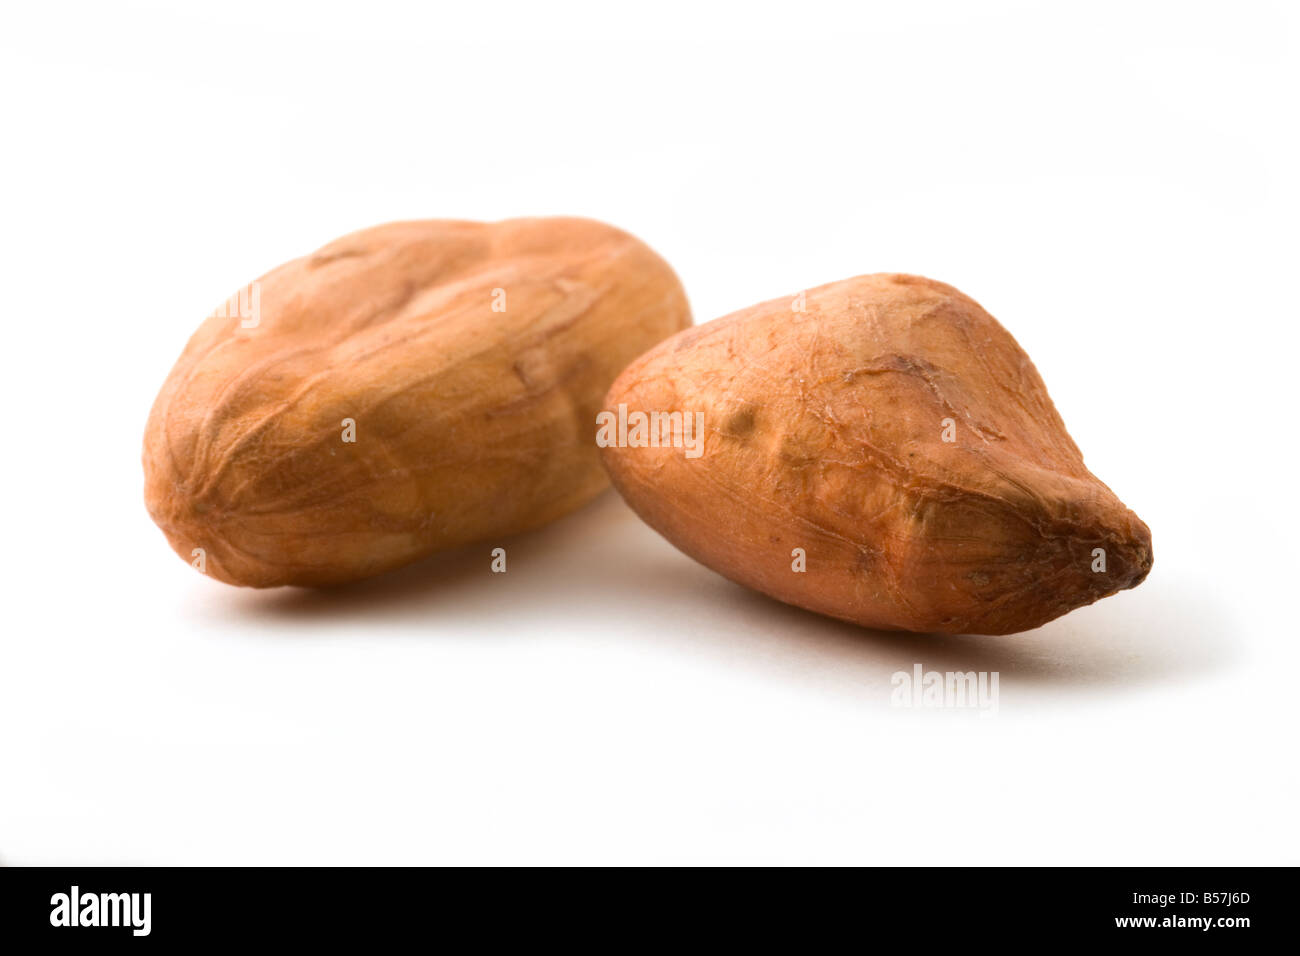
column 603, row 574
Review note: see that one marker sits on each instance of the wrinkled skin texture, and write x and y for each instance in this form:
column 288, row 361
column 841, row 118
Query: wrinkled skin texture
column 470, row 423
column 823, row 431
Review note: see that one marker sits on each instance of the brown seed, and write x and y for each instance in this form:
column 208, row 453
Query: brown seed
column 406, row 389
column 893, row 431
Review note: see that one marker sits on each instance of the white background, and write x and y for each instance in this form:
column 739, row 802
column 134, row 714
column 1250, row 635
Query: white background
column 1115, row 182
